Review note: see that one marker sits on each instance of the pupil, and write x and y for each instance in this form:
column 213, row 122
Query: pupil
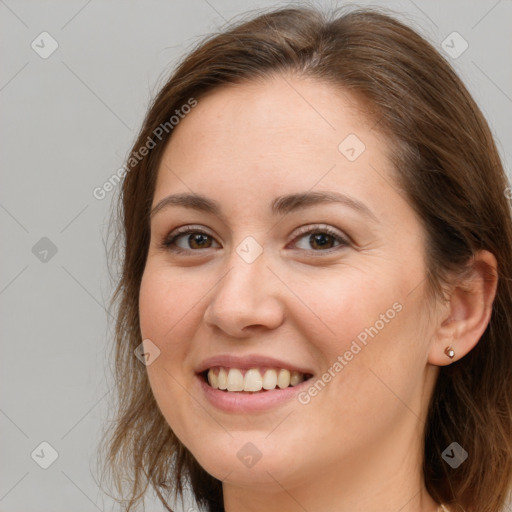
column 319, row 239
column 198, row 238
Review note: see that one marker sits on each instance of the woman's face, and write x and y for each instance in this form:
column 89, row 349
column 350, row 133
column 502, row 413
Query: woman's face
column 311, row 262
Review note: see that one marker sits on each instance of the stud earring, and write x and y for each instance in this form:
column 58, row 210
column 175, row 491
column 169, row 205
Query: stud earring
column 449, row 352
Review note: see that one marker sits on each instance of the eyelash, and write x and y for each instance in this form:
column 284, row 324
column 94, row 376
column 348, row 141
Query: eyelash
column 170, row 239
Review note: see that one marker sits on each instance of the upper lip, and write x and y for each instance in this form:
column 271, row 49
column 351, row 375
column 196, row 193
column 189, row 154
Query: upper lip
column 247, row 362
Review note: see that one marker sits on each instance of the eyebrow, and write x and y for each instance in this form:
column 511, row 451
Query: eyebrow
column 280, row 205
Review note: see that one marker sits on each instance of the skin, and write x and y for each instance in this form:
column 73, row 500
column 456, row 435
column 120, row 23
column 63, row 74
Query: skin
column 357, row 445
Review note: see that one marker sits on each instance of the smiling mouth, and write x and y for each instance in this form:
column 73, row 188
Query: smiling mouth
column 253, row 380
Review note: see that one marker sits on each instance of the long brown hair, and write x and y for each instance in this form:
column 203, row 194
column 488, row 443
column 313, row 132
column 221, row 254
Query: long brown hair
column 448, row 167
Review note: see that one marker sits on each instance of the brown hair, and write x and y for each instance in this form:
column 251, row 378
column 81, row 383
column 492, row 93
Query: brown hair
column 448, row 167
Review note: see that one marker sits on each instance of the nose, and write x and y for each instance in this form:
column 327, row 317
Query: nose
column 246, row 299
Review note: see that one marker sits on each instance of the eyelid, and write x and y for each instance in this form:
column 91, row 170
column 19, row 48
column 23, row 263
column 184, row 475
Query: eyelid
column 188, row 228
column 312, row 228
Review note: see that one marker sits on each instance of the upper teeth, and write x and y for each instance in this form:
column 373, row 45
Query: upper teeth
column 233, row 379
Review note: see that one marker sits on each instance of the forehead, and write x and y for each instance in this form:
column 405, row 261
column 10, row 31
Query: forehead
column 272, row 134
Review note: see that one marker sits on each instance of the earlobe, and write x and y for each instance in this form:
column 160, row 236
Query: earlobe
column 469, row 312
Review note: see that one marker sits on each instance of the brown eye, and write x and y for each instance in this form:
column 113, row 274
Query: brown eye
column 199, row 240
column 191, row 239
column 321, row 238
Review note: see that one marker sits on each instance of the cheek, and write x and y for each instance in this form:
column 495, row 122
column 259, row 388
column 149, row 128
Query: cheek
column 343, row 309
column 164, row 302
column 162, row 320
column 365, row 332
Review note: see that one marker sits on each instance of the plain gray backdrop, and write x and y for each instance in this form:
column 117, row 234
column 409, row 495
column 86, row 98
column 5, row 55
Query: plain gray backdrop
column 69, row 115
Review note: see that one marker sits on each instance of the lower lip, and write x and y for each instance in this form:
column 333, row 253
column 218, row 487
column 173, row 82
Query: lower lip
column 240, row 401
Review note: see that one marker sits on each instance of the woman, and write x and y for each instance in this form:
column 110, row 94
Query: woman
column 316, row 276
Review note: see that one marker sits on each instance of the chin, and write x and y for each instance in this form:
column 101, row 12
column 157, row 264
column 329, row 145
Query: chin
column 247, row 459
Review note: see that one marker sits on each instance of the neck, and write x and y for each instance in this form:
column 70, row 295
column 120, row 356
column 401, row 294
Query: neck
column 329, row 495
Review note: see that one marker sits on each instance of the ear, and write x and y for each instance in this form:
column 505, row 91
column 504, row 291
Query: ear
column 468, row 311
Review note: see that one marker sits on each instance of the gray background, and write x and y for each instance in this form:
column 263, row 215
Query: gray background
column 67, row 123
